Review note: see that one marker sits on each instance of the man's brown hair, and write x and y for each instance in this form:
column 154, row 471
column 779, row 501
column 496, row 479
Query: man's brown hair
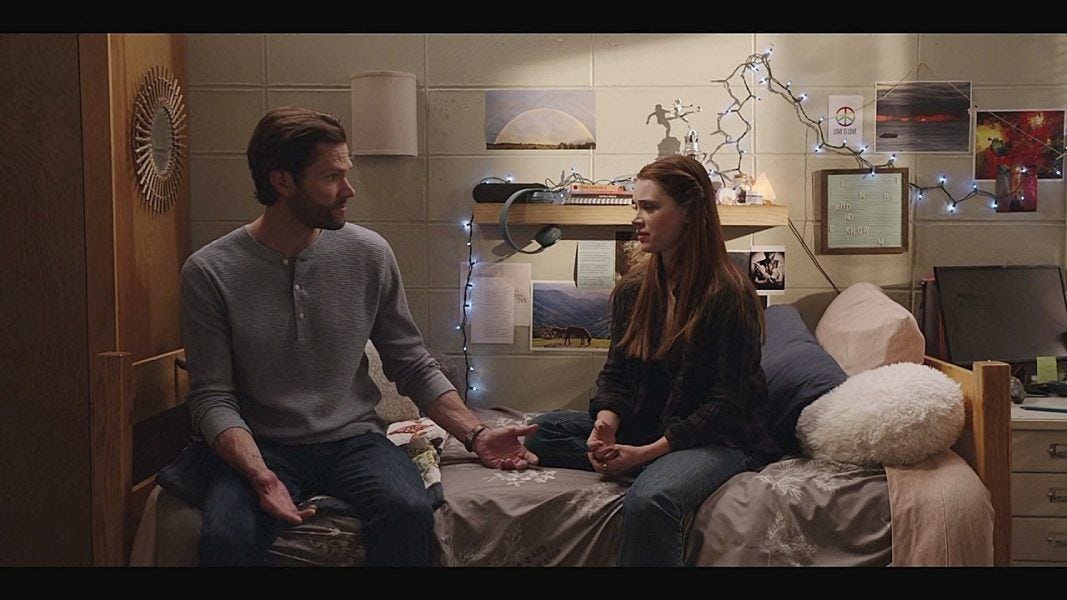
column 285, row 140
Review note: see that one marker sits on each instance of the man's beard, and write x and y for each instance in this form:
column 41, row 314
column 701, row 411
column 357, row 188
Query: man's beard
column 313, row 215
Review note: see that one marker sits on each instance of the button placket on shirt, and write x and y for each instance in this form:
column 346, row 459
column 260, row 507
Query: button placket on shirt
column 300, row 297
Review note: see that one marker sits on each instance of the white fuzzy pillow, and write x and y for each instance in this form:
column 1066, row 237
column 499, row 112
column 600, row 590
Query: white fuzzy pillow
column 894, row 415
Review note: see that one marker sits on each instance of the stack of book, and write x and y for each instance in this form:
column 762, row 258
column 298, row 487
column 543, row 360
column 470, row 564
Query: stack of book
column 584, row 193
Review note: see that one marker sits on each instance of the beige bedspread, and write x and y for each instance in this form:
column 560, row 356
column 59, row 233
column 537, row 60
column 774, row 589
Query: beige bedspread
column 942, row 514
column 794, row 512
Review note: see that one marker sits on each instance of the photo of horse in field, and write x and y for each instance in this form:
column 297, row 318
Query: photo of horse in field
column 580, row 335
column 566, row 317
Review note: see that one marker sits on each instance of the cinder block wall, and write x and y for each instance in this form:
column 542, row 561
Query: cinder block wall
column 418, row 203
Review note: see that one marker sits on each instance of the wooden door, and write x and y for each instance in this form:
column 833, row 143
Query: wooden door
column 135, row 254
column 44, row 411
column 85, row 267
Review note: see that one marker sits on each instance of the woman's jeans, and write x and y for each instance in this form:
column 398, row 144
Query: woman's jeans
column 368, row 471
column 663, row 494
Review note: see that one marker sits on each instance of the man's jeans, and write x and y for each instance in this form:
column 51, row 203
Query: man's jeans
column 367, row 471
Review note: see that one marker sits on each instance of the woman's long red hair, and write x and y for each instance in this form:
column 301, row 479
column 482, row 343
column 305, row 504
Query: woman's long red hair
column 703, row 273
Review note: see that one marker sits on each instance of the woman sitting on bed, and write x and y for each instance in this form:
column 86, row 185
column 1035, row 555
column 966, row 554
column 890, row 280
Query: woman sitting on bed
column 681, row 400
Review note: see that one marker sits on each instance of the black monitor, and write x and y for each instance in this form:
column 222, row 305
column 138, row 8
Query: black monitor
column 1008, row 313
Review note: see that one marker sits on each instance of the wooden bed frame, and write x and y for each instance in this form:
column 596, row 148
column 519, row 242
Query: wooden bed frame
column 985, row 442
column 139, row 424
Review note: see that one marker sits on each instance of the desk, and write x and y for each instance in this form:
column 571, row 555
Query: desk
column 1039, row 483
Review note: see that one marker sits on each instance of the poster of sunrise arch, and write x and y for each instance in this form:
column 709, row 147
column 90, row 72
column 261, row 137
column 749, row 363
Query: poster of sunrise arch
column 540, row 120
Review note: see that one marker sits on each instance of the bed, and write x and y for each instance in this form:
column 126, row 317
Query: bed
column 949, row 509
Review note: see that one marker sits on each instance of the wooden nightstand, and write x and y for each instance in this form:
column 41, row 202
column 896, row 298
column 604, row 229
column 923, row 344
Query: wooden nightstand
column 1039, row 484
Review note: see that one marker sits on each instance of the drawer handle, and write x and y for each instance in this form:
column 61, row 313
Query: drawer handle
column 1057, row 540
column 1054, row 450
column 1057, row 494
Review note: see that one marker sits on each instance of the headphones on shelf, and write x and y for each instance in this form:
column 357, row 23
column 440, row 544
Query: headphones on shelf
column 548, row 235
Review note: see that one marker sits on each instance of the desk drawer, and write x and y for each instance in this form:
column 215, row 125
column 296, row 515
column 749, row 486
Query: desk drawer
column 1039, row 494
column 1039, row 451
column 1038, row 539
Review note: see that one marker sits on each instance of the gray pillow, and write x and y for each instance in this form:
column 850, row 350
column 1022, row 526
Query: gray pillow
column 798, row 372
column 394, row 407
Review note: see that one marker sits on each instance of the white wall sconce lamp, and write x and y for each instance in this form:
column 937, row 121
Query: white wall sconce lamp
column 384, row 117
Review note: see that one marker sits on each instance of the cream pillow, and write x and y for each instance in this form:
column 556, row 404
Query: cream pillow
column 393, row 407
column 864, row 329
column 894, row 415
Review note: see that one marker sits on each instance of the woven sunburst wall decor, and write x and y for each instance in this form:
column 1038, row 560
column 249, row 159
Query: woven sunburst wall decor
column 159, row 147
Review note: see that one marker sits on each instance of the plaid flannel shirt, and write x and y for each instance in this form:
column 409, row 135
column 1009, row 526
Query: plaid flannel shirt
column 717, row 392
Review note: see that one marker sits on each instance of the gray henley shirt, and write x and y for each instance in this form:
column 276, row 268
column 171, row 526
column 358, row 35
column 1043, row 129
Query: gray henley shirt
column 275, row 345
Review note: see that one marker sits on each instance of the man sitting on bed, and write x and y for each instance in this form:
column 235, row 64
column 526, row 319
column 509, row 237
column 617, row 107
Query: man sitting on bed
column 275, row 317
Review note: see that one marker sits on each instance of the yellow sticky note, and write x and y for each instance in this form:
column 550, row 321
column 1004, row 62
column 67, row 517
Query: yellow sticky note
column 1046, row 369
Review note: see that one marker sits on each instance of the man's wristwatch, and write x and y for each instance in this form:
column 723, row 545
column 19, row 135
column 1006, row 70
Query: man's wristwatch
column 468, row 440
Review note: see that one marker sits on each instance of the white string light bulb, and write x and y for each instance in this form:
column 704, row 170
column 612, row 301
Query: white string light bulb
column 776, row 86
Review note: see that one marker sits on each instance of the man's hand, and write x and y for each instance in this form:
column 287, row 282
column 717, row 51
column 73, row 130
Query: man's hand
column 622, row 459
column 275, row 499
column 602, row 439
column 500, row 448
column 236, row 446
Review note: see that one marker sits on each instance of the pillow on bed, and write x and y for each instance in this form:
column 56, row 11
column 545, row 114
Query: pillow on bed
column 894, row 415
column 864, row 329
column 422, row 439
column 395, row 407
column 798, row 371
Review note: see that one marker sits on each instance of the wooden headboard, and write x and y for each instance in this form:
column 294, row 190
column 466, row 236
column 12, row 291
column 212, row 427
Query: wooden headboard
column 141, row 425
column 986, row 439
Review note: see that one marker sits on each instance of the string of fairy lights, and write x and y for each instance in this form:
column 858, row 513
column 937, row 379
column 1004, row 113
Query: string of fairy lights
column 755, row 65
column 565, row 179
column 760, row 65
column 467, row 287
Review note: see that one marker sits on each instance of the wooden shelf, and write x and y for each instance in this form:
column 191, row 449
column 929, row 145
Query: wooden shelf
column 753, row 218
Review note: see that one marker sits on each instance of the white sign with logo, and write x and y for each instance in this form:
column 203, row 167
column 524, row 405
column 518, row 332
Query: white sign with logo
column 845, row 121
